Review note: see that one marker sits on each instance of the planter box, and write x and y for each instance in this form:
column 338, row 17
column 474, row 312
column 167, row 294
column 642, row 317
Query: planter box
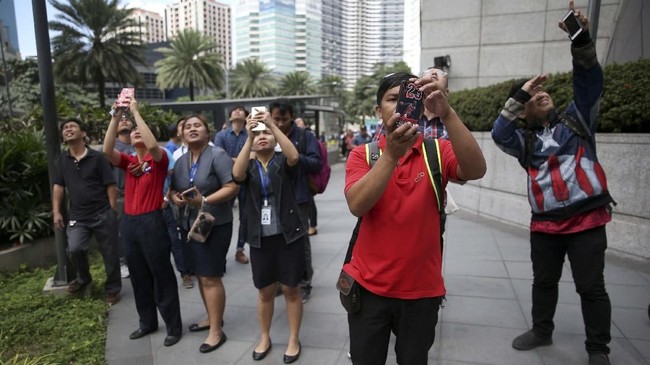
column 40, row 253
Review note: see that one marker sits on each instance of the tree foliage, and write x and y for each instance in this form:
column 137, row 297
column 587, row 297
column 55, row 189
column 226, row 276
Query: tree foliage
column 252, row 79
column 97, row 43
column 297, row 83
column 190, row 61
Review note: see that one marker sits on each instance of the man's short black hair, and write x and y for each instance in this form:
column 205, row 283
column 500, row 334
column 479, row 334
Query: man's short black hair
column 172, row 130
column 82, row 125
column 238, row 107
column 516, row 86
column 283, row 105
column 390, row 81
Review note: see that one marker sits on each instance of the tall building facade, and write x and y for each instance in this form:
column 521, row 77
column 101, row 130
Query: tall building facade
column 284, row 34
column 9, row 31
column 206, row 16
column 150, row 25
column 332, row 60
column 373, row 32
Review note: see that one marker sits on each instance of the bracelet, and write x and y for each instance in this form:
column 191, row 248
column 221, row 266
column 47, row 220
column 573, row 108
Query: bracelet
column 205, row 201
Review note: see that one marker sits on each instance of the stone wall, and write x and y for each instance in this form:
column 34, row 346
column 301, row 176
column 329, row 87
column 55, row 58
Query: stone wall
column 502, row 195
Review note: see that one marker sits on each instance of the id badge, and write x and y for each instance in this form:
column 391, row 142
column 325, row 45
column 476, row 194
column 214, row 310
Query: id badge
column 266, row 216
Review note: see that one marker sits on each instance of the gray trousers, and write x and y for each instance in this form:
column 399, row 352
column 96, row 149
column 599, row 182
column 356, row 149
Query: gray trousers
column 104, row 227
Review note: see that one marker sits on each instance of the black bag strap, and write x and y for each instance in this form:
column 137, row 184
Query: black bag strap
column 432, row 158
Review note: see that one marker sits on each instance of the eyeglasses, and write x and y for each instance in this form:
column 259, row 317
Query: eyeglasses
column 433, row 70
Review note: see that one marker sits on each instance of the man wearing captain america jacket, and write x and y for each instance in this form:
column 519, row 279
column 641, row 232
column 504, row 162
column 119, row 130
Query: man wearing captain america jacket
column 567, row 191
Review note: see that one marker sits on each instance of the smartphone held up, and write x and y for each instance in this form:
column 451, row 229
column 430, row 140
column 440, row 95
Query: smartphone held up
column 572, row 24
column 125, row 97
column 409, row 104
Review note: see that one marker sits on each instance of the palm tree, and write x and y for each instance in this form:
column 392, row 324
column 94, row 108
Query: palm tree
column 190, row 61
column 297, row 83
column 251, row 79
column 96, row 44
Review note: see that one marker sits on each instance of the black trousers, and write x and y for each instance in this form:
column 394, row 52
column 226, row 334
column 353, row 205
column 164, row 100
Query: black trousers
column 586, row 252
column 152, row 275
column 412, row 321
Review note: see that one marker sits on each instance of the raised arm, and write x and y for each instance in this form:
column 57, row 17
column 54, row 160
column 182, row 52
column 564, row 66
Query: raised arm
column 147, row 136
column 108, row 148
column 240, row 166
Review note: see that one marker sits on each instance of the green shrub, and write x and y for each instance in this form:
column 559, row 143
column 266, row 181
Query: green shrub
column 56, row 329
column 24, row 190
column 625, row 106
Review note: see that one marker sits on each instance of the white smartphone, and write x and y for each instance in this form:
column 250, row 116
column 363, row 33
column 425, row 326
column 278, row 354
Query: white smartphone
column 258, row 109
column 572, row 25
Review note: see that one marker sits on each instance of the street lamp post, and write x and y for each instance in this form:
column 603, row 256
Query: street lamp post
column 52, row 142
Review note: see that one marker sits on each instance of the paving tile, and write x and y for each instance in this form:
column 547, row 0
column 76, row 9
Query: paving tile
column 567, row 294
column 629, row 296
column 615, row 274
column 475, row 267
column 479, row 287
column 633, row 323
column 643, row 347
column 484, row 311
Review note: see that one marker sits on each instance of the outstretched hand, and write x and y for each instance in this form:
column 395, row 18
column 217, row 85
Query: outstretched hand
column 534, row 85
column 584, row 21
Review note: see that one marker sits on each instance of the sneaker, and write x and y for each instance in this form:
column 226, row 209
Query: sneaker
column 598, row 358
column 187, row 282
column 124, row 271
column 529, row 341
column 112, row 298
column 305, row 294
column 240, row 257
column 75, row 286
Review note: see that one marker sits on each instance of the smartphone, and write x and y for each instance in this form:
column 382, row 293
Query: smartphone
column 125, row 95
column 572, row 25
column 409, row 104
column 189, row 193
column 258, row 109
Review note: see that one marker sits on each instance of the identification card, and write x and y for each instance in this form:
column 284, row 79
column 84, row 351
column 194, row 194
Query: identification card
column 266, row 216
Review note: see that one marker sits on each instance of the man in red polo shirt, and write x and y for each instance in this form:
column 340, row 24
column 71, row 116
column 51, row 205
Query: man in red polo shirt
column 143, row 228
column 397, row 257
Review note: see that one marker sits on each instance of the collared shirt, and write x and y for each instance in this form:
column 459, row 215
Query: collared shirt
column 230, row 141
column 432, row 128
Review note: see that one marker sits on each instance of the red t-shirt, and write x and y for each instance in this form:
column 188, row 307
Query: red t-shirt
column 144, row 193
column 397, row 253
column 578, row 223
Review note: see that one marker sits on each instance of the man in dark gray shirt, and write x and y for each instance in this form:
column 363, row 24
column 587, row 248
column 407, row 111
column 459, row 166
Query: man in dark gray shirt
column 88, row 177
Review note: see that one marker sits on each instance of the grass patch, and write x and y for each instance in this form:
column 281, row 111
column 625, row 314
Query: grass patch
column 55, row 329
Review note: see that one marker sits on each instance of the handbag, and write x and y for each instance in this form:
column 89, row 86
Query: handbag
column 202, row 225
column 349, row 293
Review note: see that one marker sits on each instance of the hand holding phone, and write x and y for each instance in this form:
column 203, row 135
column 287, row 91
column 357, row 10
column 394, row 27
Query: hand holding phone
column 409, row 104
column 189, row 193
column 258, row 109
column 572, row 25
column 125, row 97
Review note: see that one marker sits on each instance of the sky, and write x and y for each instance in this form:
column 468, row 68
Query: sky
column 25, row 19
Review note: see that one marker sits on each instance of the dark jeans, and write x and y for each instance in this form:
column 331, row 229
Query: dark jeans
column 104, row 227
column 175, row 238
column 309, row 269
column 152, row 274
column 586, row 252
column 412, row 321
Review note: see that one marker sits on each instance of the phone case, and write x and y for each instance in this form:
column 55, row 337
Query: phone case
column 409, row 104
column 125, row 94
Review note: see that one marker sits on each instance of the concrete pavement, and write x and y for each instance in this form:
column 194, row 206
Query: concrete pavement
column 488, row 276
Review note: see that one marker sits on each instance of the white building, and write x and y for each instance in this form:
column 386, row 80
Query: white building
column 373, row 32
column 150, row 25
column 284, row 34
column 206, row 16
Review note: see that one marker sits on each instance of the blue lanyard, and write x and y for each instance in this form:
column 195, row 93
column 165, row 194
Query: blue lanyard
column 266, row 181
column 193, row 168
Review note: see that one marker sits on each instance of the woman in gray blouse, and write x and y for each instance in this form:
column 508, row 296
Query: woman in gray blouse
column 203, row 176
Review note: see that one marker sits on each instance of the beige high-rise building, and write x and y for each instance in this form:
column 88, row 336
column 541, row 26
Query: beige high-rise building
column 150, row 24
column 208, row 17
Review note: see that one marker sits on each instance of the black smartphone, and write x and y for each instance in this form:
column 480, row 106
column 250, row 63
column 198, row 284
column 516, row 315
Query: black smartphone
column 409, row 104
column 572, row 25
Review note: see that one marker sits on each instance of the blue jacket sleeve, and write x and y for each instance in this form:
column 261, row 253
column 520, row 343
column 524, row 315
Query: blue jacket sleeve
column 310, row 161
column 505, row 133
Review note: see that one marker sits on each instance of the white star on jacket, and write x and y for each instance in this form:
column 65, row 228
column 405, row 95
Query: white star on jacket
column 547, row 139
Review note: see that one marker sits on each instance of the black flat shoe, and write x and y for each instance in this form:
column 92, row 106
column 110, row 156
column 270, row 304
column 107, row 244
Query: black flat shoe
column 140, row 333
column 257, row 356
column 288, row 359
column 194, row 327
column 171, row 340
column 205, row 348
